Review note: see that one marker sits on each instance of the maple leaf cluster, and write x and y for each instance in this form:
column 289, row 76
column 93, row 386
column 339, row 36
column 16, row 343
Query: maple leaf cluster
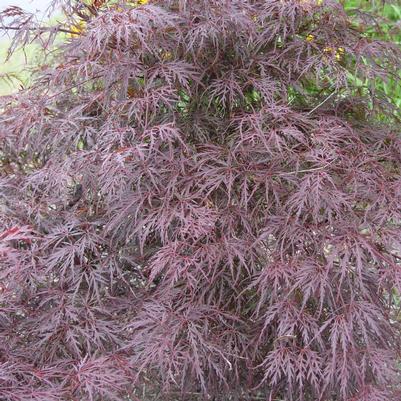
column 196, row 203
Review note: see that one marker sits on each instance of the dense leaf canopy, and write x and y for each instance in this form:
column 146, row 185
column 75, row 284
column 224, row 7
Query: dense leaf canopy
column 197, row 200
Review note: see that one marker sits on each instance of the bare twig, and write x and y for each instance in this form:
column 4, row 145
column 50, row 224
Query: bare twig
column 322, row 103
column 40, row 29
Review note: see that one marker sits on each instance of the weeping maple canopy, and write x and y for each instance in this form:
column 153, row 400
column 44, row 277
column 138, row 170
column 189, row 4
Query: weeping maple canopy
column 201, row 200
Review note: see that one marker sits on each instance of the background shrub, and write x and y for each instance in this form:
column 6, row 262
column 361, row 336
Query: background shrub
column 198, row 200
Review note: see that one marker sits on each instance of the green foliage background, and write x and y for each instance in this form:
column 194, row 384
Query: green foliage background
column 16, row 71
column 390, row 29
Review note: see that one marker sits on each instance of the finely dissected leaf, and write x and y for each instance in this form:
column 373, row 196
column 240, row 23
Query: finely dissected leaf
column 197, row 201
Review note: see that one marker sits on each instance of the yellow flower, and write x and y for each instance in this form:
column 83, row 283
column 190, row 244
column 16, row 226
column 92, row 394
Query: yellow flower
column 77, row 28
column 138, row 2
column 340, row 53
column 311, row 2
column 133, row 3
column 167, row 55
column 310, row 38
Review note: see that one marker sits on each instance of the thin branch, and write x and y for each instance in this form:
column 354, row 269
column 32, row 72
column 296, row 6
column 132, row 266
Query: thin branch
column 322, row 103
column 40, row 29
column 77, row 85
column 306, row 170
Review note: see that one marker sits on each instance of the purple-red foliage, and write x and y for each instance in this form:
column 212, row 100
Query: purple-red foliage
column 196, row 202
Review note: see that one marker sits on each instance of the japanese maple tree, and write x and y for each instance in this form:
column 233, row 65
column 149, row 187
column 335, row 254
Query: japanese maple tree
column 201, row 199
